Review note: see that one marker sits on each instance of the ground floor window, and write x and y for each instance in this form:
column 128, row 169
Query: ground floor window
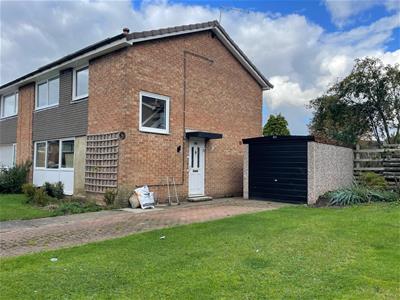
column 54, row 154
column 8, row 155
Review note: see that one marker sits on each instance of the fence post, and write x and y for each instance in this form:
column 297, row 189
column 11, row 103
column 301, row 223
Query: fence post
column 357, row 156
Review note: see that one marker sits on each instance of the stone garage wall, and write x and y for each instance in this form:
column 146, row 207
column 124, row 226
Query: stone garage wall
column 246, row 172
column 329, row 167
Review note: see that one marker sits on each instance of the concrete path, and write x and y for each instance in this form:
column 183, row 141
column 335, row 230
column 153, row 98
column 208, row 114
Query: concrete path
column 28, row 236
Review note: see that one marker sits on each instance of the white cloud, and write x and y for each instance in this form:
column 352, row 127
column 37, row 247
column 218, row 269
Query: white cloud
column 298, row 56
column 343, row 11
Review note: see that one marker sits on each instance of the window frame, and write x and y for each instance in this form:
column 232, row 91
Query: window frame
column 74, row 82
column 46, row 81
column 2, row 101
column 167, row 107
column 60, row 168
column 14, row 158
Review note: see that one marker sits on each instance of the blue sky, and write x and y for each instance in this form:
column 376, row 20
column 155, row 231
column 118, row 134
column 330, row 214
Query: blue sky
column 301, row 46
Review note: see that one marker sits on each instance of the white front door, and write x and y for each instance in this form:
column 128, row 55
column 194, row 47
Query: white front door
column 196, row 167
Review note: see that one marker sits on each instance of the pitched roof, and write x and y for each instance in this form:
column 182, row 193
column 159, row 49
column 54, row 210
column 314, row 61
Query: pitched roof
column 136, row 37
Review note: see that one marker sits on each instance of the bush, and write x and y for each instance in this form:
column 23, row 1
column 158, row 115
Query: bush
column 360, row 194
column 29, row 190
column 122, row 197
column 109, row 197
column 372, row 180
column 76, row 207
column 55, row 190
column 11, row 180
column 41, row 198
column 348, row 196
column 385, row 196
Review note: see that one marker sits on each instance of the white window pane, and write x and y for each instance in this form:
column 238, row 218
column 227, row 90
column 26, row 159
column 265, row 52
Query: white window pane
column 53, row 154
column 54, row 91
column 40, row 155
column 82, row 81
column 9, row 106
column 67, row 154
column 154, row 113
column 6, row 156
column 42, row 95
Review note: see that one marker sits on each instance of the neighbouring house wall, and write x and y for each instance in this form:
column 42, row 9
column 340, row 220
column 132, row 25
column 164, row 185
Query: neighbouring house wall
column 246, row 172
column 329, row 167
column 79, row 165
column 68, row 119
column 220, row 95
column 8, row 130
column 26, row 104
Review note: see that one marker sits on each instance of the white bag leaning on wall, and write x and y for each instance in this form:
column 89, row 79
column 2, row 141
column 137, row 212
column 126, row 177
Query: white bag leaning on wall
column 146, row 198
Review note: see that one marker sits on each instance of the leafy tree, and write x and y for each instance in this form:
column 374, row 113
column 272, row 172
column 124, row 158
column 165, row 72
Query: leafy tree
column 366, row 102
column 276, row 125
column 334, row 119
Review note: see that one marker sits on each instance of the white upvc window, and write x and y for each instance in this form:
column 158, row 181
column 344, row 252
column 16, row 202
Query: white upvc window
column 9, row 105
column 48, row 93
column 154, row 113
column 54, row 154
column 80, row 83
column 7, row 156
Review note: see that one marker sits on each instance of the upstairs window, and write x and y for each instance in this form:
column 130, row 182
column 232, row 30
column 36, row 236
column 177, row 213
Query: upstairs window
column 154, row 113
column 81, row 83
column 9, row 105
column 48, row 93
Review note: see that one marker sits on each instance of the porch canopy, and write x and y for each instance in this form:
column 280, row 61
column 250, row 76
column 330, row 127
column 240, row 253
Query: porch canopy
column 203, row 134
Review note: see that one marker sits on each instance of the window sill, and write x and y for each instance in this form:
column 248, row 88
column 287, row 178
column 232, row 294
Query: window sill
column 46, row 107
column 79, row 98
column 145, row 130
column 8, row 117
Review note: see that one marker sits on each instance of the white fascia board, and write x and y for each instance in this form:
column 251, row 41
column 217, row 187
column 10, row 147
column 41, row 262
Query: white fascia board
column 79, row 60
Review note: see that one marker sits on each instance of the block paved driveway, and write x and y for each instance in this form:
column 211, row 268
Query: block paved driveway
column 28, row 236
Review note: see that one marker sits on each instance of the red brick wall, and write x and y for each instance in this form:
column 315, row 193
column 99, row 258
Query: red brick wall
column 26, row 102
column 220, row 97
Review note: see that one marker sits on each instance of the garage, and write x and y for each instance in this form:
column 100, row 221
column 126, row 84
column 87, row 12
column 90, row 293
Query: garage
column 294, row 168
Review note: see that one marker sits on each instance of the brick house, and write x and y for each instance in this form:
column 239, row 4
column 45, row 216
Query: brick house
column 135, row 109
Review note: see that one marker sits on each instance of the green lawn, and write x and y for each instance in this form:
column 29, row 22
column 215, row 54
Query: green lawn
column 293, row 252
column 14, row 207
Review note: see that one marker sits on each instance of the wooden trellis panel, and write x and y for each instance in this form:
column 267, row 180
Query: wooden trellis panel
column 101, row 170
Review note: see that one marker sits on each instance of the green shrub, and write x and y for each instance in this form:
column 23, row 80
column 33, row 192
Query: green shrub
column 55, row 190
column 76, row 207
column 11, row 180
column 372, row 180
column 41, row 198
column 29, row 190
column 349, row 196
column 359, row 194
column 109, row 197
column 122, row 197
column 385, row 196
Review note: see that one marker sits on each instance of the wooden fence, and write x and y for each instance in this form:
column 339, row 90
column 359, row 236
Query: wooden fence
column 384, row 161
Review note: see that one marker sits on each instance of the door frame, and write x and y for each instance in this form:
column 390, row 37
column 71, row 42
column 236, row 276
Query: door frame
column 202, row 163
